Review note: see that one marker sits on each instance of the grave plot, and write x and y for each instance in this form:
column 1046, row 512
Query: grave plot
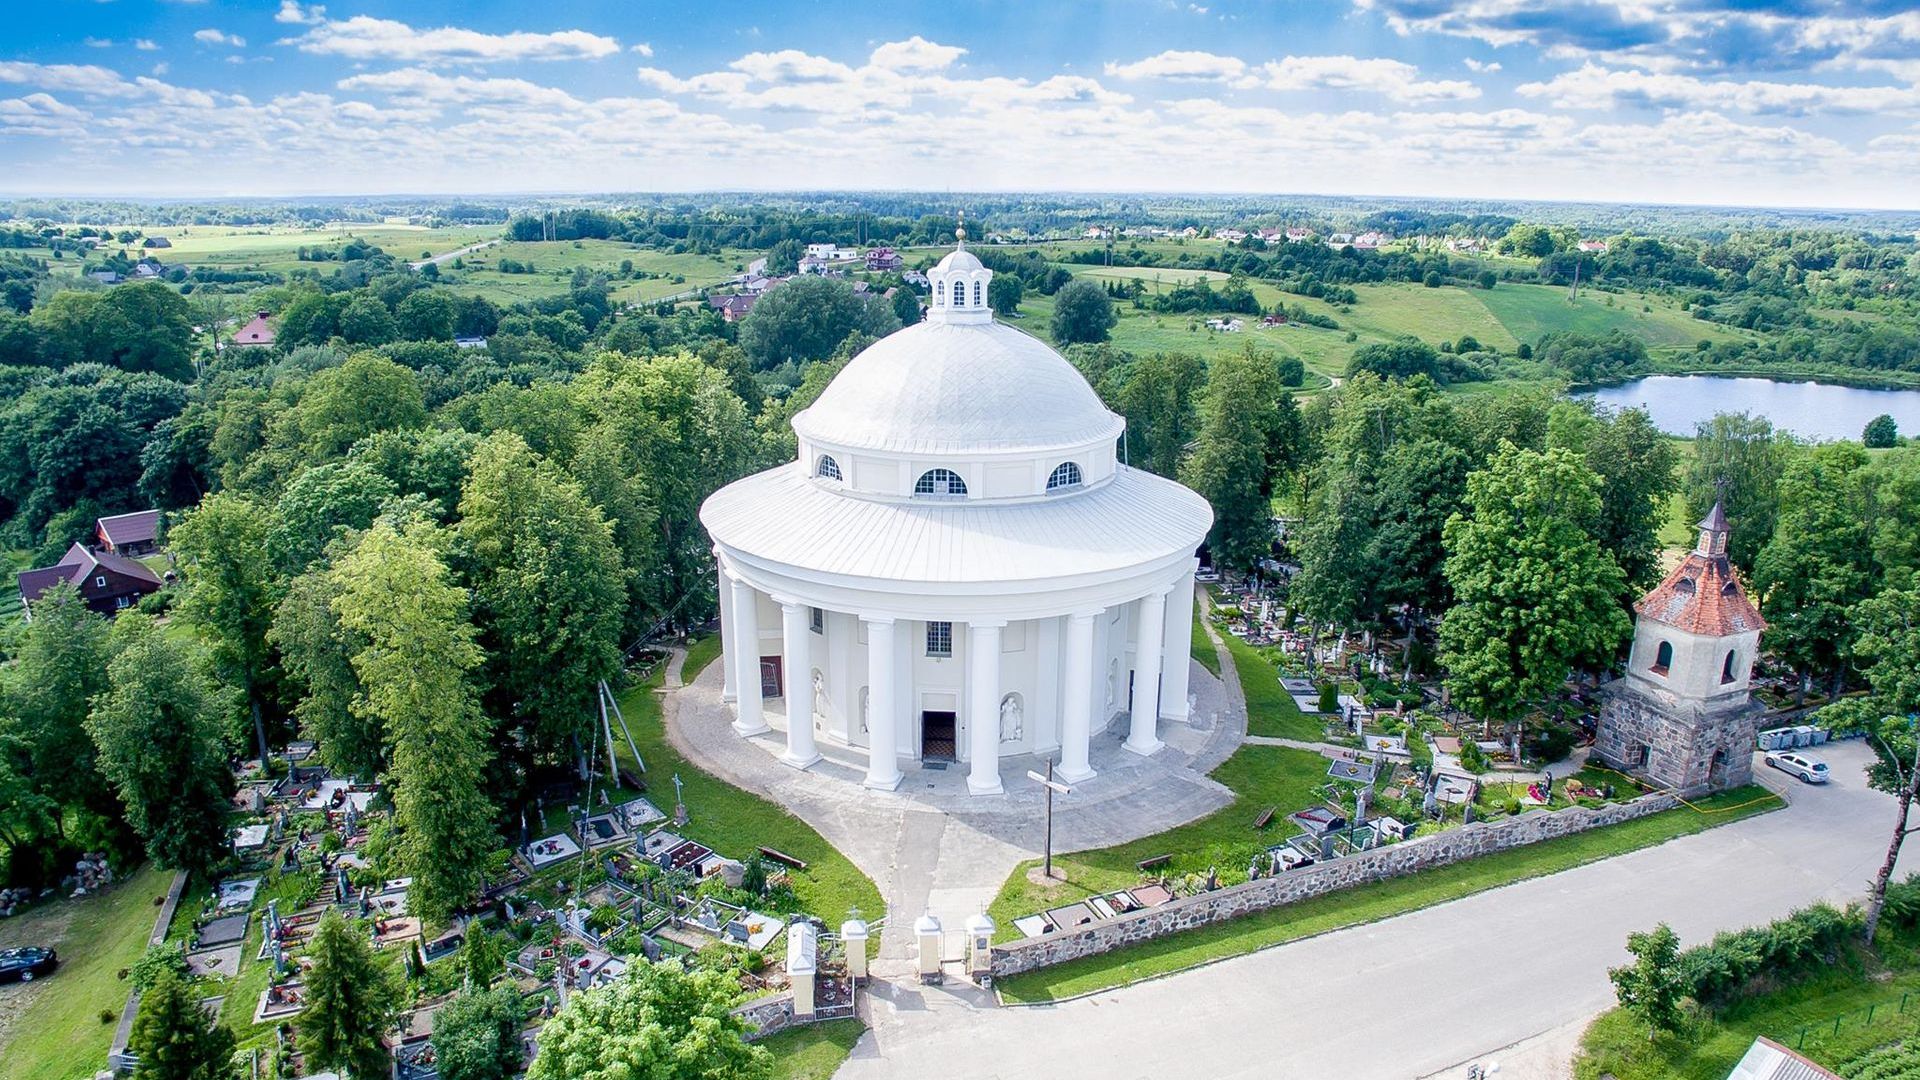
column 225, row 930
column 414, row 1059
column 236, row 895
column 250, row 838
column 734, row 925
column 548, row 850
column 217, row 963
column 1352, row 772
column 280, row 1002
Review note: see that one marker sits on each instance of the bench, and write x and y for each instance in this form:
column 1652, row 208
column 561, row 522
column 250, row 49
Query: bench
column 1153, row 863
column 1265, row 818
column 784, row 859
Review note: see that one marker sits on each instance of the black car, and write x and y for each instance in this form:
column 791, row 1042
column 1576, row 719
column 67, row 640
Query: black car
column 26, row 964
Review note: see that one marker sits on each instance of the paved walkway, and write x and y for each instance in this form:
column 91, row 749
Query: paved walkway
column 930, row 846
column 1428, row 992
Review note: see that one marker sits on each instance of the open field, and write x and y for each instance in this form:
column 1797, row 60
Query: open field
column 51, row 1029
column 1370, row 903
column 555, row 261
column 277, row 248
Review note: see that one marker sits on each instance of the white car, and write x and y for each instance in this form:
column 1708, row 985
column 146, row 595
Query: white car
column 1809, row 769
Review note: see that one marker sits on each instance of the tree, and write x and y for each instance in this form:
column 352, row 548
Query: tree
column 1160, row 397
column 230, row 593
column 1004, row 293
column 1535, row 595
column 415, row 670
column 548, row 591
column 1881, row 432
column 1082, row 313
column 317, row 654
column 480, row 958
column 60, row 664
column 1747, row 454
column 157, row 730
column 1248, row 428
column 476, row 1036
column 173, row 1038
column 322, row 504
column 1888, row 626
column 783, row 259
column 350, row 1002
column 658, row 1021
column 1819, row 563
column 1651, row 988
column 425, row 315
column 1635, row 463
column 366, row 321
column 1401, row 358
column 807, row 318
column 906, row 306
column 367, row 394
column 139, row 327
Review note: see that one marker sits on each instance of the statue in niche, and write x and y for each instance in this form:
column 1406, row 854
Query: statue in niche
column 863, row 710
column 820, row 705
column 1012, row 719
column 1113, row 679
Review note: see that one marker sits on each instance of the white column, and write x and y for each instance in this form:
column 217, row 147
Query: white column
column 796, row 625
column 883, row 708
column 1076, row 699
column 1149, row 636
column 750, row 714
column 723, row 600
column 1179, row 649
column 983, row 707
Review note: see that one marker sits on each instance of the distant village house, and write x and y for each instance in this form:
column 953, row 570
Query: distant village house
column 256, row 332
column 108, row 583
column 131, row 535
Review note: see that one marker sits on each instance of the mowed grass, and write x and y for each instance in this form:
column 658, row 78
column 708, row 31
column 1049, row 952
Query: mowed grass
column 277, row 248
column 58, row 1034
column 1260, row 776
column 737, row 823
column 699, row 655
column 1270, row 709
column 1373, row 902
column 1203, row 647
column 815, row 1051
column 1801, row 1017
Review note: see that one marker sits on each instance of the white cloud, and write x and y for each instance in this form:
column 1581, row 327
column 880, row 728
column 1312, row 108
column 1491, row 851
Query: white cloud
column 161, row 68
column 40, row 114
column 1391, row 78
column 80, row 78
column 366, row 38
column 291, row 11
column 1181, row 65
column 211, row 36
column 97, row 43
column 915, row 54
column 643, row 49
column 1594, row 87
column 1482, row 65
column 145, row 44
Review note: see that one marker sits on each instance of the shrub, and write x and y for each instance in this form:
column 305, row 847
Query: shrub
column 1718, row 973
column 1472, row 758
column 1329, row 698
column 158, row 960
column 156, row 603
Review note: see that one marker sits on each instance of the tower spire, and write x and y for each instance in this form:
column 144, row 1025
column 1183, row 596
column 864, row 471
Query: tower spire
column 1714, row 527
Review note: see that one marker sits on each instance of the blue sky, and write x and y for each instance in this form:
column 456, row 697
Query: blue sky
column 1801, row 102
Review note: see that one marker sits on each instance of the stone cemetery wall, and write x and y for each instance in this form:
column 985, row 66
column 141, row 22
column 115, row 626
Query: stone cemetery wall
column 767, row 1016
column 1379, row 864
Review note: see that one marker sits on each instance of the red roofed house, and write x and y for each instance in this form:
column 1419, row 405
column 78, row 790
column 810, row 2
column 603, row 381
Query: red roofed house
column 884, row 258
column 109, row 583
column 132, row 534
column 1682, row 717
column 256, row 332
column 734, row 306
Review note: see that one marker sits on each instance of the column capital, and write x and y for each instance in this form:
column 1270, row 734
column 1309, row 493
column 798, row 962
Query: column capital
column 986, row 624
column 878, row 620
column 789, row 605
column 1086, row 616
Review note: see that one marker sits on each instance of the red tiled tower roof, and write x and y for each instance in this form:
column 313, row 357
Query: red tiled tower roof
column 1703, row 595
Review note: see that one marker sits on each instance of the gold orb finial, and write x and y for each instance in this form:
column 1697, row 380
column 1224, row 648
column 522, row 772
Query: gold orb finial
column 960, row 230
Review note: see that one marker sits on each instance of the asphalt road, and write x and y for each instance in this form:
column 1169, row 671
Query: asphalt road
column 1416, row 994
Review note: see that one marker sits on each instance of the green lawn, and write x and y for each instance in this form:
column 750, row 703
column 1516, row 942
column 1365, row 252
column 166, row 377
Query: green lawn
column 699, row 655
column 1270, row 709
column 1616, row 1045
column 666, row 274
column 59, row 1034
column 813, row 1052
column 1260, row 776
column 277, row 248
column 1369, row 903
column 1203, row 646
column 736, row 823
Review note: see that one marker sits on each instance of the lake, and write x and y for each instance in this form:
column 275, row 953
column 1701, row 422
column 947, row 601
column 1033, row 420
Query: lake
column 1810, row 410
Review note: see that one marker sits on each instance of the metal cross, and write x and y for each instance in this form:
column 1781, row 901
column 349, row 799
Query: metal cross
column 1053, row 786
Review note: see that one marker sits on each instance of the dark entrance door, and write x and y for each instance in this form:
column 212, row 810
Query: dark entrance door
column 770, row 676
column 937, row 741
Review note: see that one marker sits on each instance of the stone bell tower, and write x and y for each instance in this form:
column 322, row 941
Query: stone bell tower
column 1682, row 716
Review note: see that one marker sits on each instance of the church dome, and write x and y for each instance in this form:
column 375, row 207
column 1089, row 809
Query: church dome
column 959, row 259
column 946, row 388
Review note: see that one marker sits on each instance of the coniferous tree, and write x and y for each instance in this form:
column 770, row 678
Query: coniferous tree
column 350, row 1002
column 173, row 1038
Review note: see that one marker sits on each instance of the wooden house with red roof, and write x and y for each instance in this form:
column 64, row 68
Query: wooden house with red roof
column 258, row 331
column 109, row 583
column 131, row 535
column 1682, row 717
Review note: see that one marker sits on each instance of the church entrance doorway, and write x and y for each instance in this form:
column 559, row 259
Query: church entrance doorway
column 1717, row 770
column 770, row 682
column 938, row 741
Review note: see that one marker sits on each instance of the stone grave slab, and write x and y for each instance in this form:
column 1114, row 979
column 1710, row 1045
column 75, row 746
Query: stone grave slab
column 222, row 931
column 237, row 893
column 550, row 849
column 1356, row 772
column 250, row 837
column 220, row 963
column 638, row 813
column 1068, row 916
column 1033, row 925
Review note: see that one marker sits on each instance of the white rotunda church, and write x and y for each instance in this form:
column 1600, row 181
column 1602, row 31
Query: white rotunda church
column 957, row 567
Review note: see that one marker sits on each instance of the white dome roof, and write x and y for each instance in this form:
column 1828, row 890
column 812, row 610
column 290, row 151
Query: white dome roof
column 959, row 259
column 941, row 388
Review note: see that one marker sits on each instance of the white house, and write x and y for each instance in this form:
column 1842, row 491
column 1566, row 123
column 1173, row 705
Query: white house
column 956, row 567
column 1231, row 236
